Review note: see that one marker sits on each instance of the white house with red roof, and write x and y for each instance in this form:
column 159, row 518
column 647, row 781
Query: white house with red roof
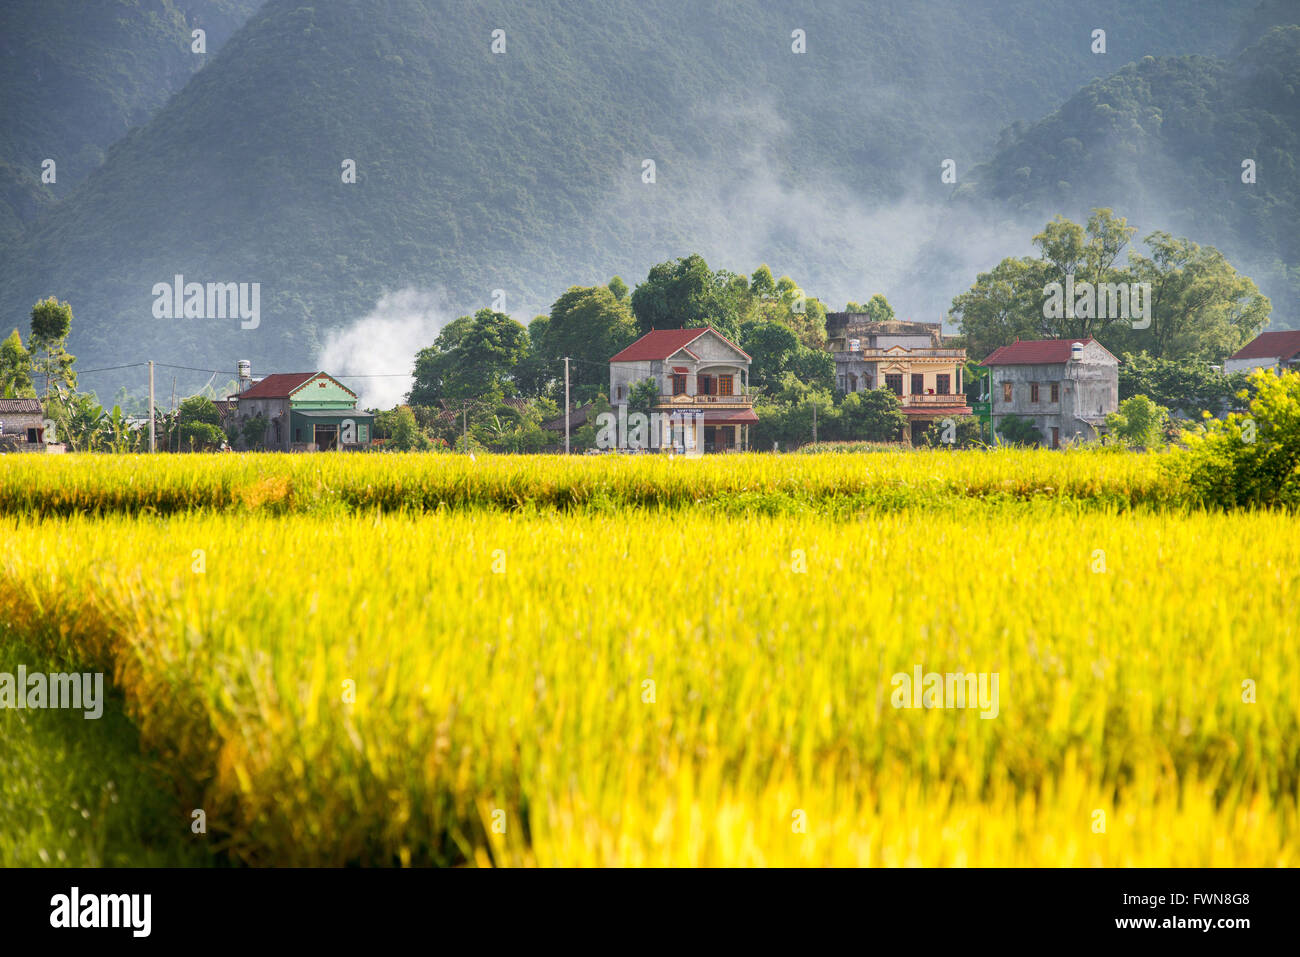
column 1067, row 387
column 1279, row 351
column 695, row 371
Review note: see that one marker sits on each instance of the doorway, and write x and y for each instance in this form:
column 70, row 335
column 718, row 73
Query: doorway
column 327, row 438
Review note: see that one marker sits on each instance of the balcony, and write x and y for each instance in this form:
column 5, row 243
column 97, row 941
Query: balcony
column 685, row 401
column 876, row 355
column 956, row 400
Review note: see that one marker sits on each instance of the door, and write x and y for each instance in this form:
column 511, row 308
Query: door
column 1056, row 438
column 327, row 438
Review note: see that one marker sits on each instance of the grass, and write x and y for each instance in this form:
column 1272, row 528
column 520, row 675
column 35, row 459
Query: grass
column 498, row 621
column 80, row 793
column 732, row 484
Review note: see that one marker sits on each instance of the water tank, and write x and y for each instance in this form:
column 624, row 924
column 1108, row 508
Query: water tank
column 1076, row 351
column 245, row 369
column 855, row 345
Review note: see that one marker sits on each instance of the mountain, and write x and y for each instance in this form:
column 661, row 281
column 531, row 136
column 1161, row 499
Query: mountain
column 76, row 75
column 522, row 171
column 1163, row 142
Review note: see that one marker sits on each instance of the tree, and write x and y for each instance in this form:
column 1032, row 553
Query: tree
column 1016, row 430
column 675, row 295
column 1139, row 421
column 643, row 396
column 877, row 309
column 253, row 431
column 1191, row 387
column 1199, row 307
column 51, row 323
column 15, row 369
column 473, row 359
column 873, row 416
column 1250, row 458
column 619, row 288
column 589, row 324
column 400, row 430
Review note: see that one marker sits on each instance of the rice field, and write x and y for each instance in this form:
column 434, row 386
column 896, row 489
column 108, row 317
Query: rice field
column 535, row 662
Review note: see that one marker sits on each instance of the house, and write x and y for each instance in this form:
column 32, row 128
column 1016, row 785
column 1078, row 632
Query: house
column 698, row 373
column 1279, row 351
column 22, row 425
column 304, row 412
column 907, row 358
column 1066, row 386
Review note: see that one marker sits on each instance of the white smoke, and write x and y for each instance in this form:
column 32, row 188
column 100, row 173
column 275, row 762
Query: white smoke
column 379, row 348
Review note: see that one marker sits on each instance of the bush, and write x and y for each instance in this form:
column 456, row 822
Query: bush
column 1015, row 430
column 1248, row 459
column 1139, row 421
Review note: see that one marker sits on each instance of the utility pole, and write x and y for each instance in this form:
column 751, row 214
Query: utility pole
column 153, row 442
column 566, row 405
column 814, row 422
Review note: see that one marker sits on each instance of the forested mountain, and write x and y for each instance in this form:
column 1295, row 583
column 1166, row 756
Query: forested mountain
column 1164, row 141
column 523, row 170
column 76, row 75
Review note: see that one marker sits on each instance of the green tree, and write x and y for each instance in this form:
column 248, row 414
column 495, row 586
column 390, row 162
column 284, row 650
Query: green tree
column 590, row 325
column 1139, row 421
column 1192, row 387
column 473, row 359
column 15, row 369
column 51, row 323
column 1200, row 307
column 873, row 416
column 1250, row 458
column 619, row 288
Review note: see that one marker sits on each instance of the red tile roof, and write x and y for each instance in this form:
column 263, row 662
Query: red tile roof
column 1270, row 345
column 276, row 386
column 1034, row 352
column 663, row 343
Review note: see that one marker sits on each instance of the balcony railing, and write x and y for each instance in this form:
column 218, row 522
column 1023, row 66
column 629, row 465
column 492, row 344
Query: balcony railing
column 689, row 401
column 873, row 354
column 953, row 399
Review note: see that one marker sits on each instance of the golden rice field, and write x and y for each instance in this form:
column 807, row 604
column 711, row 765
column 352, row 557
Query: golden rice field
column 514, row 661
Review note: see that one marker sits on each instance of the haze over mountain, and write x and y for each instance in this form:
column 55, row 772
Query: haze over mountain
column 78, row 74
column 522, row 171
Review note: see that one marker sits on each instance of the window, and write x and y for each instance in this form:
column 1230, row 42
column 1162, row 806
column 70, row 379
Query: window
column 1033, row 392
column 33, row 436
column 679, row 383
column 943, row 384
column 725, row 385
column 620, row 391
column 707, row 385
column 1006, row 392
column 894, row 383
column 853, row 382
column 918, row 383
column 1056, row 392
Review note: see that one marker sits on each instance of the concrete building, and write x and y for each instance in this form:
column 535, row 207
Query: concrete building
column 1067, row 387
column 907, row 358
column 303, row 412
column 695, row 371
column 22, row 425
column 1279, row 351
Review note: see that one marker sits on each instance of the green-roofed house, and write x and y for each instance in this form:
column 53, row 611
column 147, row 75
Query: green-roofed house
column 305, row 412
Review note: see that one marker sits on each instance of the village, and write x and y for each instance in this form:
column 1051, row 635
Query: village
column 1060, row 392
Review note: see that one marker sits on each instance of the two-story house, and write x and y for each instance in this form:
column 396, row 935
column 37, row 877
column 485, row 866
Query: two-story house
column 1066, row 386
column 908, row 358
column 697, row 371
